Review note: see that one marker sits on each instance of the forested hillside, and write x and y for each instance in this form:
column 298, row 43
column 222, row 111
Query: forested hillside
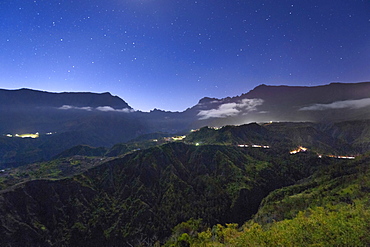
column 188, row 191
column 329, row 208
column 139, row 198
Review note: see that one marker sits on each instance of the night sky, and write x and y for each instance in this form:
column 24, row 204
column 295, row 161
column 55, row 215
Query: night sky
column 168, row 54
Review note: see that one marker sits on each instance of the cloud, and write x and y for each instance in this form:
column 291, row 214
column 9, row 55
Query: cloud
column 231, row 109
column 99, row 108
column 109, row 108
column 70, row 107
column 352, row 104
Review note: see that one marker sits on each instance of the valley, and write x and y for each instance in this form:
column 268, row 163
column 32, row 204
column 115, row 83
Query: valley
column 146, row 123
column 165, row 180
column 128, row 178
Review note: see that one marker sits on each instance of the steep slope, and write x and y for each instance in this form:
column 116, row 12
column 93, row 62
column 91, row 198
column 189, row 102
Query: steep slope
column 281, row 136
column 325, row 94
column 333, row 102
column 356, row 133
column 329, row 208
column 63, row 120
column 137, row 199
column 313, row 137
column 343, row 182
column 28, row 97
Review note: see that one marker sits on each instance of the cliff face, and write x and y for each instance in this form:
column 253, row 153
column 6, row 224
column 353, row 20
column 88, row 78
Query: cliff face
column 28, row 98
column 138, row 198
column 299, row 96
column 327, row 103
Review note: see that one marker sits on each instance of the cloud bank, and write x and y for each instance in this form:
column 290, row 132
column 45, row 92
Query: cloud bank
column 352, row 104
column 109, row 108
column 231, row 109
column 70, row 107
column 100, row 108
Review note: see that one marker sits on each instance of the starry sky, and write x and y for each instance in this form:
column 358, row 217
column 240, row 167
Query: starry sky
column 168, row 54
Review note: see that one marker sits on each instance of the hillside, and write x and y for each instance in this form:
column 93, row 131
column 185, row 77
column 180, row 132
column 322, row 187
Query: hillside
column 288, row 136
column 227, row 175
column 140, row 197
column 329, row 208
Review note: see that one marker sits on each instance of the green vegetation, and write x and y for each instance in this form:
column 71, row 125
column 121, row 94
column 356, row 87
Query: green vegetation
column 55, row 169
column 215, row 194
column 70, row 162
column 343, row 182
column 340, row 225
column 329, row 208
column 140, row 197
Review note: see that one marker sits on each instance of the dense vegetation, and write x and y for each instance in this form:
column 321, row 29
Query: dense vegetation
column 339, row 225
column 205, row 191
column 16, row 152
column 138, row 198
column 340, row 138
column 329, row 208
column 55, row 169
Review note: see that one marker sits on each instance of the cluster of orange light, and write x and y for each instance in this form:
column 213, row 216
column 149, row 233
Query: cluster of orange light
column 298, row 150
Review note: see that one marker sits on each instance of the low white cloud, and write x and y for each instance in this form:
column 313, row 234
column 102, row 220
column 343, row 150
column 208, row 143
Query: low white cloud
column 109, row 108
column 352, row 104
column 224, row 110
column 99, row 108
column 231, row 109
column 70, row 107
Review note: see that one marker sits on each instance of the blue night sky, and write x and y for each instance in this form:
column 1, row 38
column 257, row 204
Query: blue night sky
column 168, row 54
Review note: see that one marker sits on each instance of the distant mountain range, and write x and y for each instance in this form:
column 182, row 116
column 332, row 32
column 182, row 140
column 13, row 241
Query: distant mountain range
column 103, row 120
column 333, row 102
column 309, row 148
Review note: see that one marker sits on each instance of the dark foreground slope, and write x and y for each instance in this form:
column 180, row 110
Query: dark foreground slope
column 329, row 208
column 137, row 199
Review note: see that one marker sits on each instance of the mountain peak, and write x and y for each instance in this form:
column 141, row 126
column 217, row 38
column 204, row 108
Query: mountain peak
column 206, row 100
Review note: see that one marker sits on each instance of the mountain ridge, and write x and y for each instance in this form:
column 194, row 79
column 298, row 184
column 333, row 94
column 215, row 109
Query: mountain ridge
column 30, row 97
column 87, row 197
column 146, row 193
column 357, row 91
column 142, row 194
column 105, row 120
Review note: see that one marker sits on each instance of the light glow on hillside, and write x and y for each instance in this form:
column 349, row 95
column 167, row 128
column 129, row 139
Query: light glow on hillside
column 298, row 150
column 36, row 135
